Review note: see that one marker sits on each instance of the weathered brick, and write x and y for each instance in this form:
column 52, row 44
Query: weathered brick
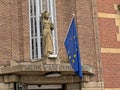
column 14, row 30
column 108, row 31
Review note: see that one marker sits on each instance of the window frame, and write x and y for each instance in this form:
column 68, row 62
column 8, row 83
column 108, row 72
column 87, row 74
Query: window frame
column 39, row 9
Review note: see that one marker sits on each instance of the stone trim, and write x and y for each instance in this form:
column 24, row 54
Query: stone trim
column 112, row 89
column 107, row 15
column 44, row 80
column 110, row 50
column 38, row 79
column 113, row 16
column 43, row 68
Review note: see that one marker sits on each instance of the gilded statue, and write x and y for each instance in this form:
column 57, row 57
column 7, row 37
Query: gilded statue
column 47, row 34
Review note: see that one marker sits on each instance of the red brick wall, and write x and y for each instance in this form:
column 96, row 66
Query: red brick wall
column 85, row 25
column 15, row 30
column 111, row 70
column 108, row 39
column 106, row 6
column 87, row 35
column 26, row 38
column 108, row 33
column 64, row 17
column 86, row 31
column 14, row 33
column 5, row 32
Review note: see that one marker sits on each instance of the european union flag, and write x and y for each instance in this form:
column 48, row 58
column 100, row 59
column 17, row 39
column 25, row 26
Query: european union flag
column 72, row 48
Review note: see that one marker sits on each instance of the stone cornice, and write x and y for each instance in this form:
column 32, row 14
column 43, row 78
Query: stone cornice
column 30, row 67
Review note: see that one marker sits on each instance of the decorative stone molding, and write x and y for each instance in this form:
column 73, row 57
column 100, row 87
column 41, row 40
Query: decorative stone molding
column 37, row 67
column 37, row 79
column 88, row 69
column 86, row 78
column 44, row 80
column 93, row 85
column 11, row 78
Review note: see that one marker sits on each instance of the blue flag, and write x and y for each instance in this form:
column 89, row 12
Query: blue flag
column 72, row 48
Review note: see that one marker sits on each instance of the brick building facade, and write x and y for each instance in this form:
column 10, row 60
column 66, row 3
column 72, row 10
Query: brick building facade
column 99, row 47
column 108, row 26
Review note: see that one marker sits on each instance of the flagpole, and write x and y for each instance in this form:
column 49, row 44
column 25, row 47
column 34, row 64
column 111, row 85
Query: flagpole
column 73, row 15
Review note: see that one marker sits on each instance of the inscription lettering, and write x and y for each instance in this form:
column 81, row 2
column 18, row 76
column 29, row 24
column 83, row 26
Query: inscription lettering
column 48, row 68
column 33, row 68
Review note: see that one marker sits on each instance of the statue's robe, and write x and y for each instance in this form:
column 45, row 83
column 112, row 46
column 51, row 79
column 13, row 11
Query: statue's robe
column 47, row 38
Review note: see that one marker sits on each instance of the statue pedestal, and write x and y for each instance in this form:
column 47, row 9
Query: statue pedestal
column 53, row 56
column 52, row 59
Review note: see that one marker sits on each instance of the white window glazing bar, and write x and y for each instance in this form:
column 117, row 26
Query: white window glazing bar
column 53, row 32
column 41, row 5
column 32, row 8
column 34, row 45
column 48, row 9
column 52, row 10
column 38, row 28
column 55, row 23
column 30, row 29
column 33, row 30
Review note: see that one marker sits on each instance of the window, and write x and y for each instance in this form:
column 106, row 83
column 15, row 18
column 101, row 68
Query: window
column 36, row 7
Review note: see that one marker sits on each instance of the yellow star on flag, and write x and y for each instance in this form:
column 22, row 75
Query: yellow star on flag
column 74, row 55
column 73, row 60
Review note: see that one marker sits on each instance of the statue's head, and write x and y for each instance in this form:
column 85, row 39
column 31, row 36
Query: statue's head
column 45, row 14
